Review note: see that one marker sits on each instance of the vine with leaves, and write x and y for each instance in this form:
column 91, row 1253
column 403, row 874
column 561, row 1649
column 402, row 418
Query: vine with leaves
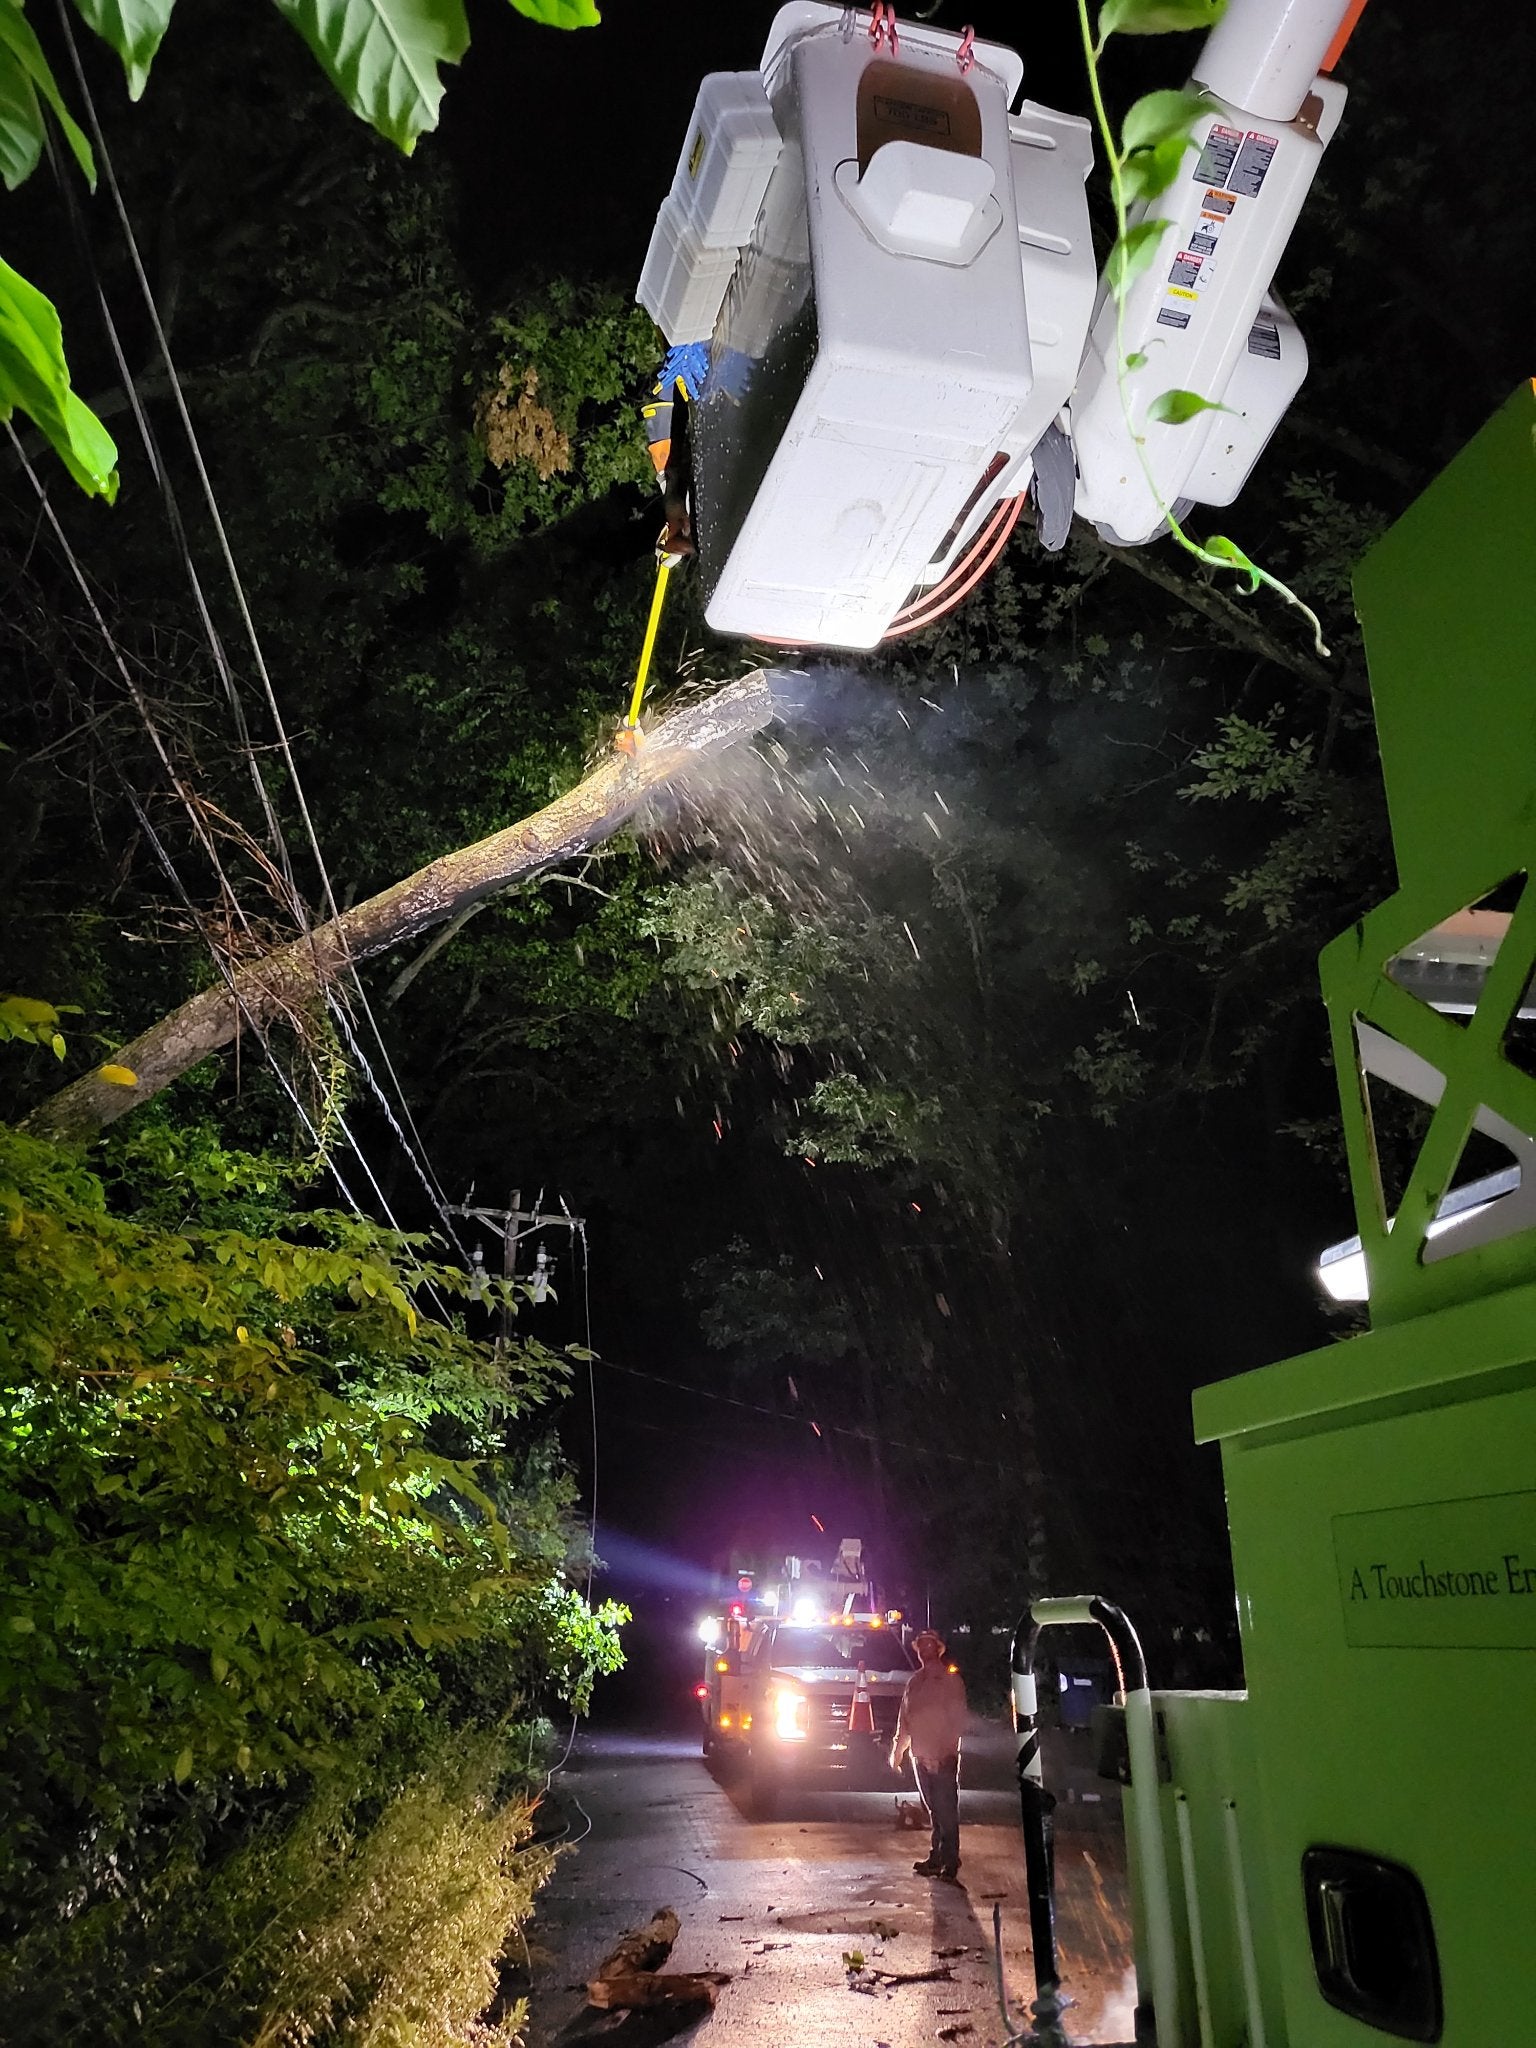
column 1144, row 161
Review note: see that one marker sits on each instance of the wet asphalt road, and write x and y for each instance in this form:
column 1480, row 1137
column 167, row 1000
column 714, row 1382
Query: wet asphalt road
column 777, row 1904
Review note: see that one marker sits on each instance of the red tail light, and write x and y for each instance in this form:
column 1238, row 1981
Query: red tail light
column 701, row 1692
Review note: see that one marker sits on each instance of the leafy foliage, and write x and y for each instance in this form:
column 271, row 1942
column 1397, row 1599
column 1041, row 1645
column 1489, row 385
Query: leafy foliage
column 1157, row 17
column 1173, row 408
column 560, row 13
column 27, row 84
column 29, row 1019
column 765, row 1310
column 373, row 1906
column 133, row 30
column 34, row 379
column 384, row 56
column 262, row 1521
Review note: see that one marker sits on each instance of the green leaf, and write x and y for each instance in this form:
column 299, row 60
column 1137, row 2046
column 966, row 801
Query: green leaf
column 1157, row 17
column 1151, row 171
column 1161, row 117
column 1228, row 551
column 21, row 123
column 133, row 28
column 34, row 377
column 1136, row 360
column 560, row 13
column 1133, row 252
column 20, row 1016
column 1156, row 139
column 22, row 49
column 183, row 1767
column 383, row 56
column 1173, row 408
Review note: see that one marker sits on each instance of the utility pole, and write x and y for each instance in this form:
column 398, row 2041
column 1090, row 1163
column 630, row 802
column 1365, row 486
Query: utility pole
column 514, row 1224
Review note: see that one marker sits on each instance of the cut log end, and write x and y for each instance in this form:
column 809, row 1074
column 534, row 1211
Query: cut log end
column 281, row 983
column 647, row 1988
column 643, row 1948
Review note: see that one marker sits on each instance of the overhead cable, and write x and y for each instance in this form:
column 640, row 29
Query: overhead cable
column 419, row 1159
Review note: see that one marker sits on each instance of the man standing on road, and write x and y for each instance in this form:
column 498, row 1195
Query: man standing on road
column 930, row 1724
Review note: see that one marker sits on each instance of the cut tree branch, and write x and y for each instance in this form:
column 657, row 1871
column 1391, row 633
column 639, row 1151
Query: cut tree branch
column 285, row 982
column 430, row 951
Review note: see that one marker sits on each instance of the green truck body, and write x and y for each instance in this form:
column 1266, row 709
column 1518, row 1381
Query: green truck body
column 1348, row 1849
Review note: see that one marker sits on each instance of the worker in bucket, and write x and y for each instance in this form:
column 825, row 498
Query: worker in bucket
column 930, row 1724
column 666, row 431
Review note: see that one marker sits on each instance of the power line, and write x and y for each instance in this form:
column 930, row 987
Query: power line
column 163, row 855
column 415, row 1153
column 867, row 1436
column 162, row 852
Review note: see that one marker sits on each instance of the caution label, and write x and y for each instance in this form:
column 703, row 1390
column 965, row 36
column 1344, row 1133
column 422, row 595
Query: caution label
column 1172, row 316
column 1218, row 155
column 1247, row 175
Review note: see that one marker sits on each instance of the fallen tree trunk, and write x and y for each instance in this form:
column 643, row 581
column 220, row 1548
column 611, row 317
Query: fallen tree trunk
column 286, row 981
column 645, row 1988
column 645, row 1949
column 627, row 1976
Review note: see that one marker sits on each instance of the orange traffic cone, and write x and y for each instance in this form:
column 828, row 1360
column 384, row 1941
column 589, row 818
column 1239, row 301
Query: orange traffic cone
column 861, row 1715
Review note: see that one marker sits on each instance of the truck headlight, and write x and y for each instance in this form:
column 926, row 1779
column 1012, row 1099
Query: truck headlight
column 789, row 1715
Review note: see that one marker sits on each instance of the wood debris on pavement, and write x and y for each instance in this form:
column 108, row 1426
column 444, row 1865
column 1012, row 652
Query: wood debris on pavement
column 630, row 1975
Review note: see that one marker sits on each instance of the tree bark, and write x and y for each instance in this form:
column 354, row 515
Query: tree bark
column 646, row 1989
column 643, row 1949
column 286, row 981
